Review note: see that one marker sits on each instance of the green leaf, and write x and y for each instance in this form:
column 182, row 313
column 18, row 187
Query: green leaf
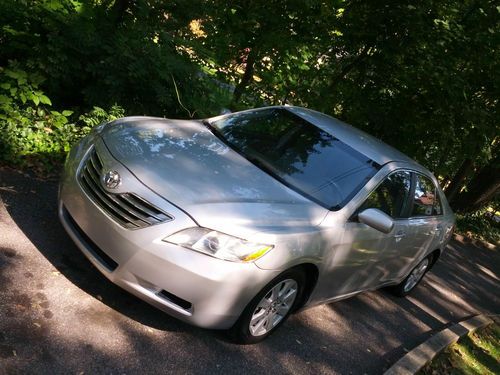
column 45, row 100
column 67, row 113
column 35, row 99
column 4, row 99
column 12, row 74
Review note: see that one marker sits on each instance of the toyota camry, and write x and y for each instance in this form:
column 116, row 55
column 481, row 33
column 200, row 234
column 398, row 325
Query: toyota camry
column 236, row 221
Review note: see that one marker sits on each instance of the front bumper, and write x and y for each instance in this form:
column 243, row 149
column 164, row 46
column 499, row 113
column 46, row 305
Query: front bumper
column 190, row 286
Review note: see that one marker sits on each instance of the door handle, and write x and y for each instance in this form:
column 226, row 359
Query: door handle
column 400, row 235
column 437, row 229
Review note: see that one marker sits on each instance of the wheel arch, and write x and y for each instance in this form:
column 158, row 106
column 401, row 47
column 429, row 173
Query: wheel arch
column 311, row 273
column 435, row 256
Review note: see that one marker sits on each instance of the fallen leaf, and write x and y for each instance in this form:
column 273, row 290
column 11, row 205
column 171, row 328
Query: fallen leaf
column 37, row 325
column 298, row 342
column 56, row 273
column 15, row 353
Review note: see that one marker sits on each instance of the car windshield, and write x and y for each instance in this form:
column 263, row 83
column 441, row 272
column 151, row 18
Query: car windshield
column 297, row 153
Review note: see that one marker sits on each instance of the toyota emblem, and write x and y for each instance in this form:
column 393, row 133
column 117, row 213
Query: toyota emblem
column 112, row 179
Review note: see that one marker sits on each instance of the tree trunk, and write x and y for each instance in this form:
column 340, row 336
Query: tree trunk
column 481, row 189
column 458, row 180
column 247, row 77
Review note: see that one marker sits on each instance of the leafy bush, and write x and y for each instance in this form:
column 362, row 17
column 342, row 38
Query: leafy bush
column 97, row 55
column 33, row 134
column 479, row 225
column 98, row 116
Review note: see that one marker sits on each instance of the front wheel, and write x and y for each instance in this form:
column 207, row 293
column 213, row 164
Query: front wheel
column 412, row 280
column 269, row 308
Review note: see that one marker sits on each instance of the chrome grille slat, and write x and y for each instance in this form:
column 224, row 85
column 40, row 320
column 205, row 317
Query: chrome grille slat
column 123, row 211
column 106, row 204
column 139, row 206
column 127, row 209
column 96, row 199
column 137, row 212
column 94, row 159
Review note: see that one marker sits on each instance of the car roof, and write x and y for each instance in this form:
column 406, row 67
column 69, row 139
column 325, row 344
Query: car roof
column 365, row 143
column 373, row 148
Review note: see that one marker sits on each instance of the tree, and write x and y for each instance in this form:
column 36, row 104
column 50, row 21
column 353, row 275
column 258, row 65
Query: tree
column 483, row 187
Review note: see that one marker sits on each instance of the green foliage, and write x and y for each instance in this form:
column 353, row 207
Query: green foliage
column 98, row 116
column 101, row 54
column 35, row 135
column 479, row 225
column 420, row 76
column 476, row 353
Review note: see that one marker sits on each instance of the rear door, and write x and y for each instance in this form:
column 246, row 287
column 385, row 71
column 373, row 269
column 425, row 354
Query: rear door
column 425, row 221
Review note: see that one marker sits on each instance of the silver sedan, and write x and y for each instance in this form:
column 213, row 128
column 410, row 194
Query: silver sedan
column 236, row 221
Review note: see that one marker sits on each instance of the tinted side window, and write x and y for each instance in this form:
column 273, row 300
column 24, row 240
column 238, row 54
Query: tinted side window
column 424, row 201
column 438, row 208
column 391, row 196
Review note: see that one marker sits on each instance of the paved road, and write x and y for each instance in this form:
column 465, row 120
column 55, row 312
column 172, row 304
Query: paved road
column 59, row 315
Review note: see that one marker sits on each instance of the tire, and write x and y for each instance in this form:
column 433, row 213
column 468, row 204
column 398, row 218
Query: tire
column 269, row 308
column 413, row 279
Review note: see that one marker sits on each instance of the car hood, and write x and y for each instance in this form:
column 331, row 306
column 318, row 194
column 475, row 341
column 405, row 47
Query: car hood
column 188, row 165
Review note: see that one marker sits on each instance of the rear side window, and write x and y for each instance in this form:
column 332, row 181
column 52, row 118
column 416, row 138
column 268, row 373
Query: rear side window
column 425, row 201
column 391, row 196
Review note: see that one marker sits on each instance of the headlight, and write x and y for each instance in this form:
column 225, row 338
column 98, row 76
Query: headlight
column 218, row 244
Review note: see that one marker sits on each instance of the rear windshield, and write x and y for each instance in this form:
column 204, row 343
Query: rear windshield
column 297, row 153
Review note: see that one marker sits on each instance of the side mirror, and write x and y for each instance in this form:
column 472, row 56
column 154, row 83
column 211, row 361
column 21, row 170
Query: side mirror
column 376, row 219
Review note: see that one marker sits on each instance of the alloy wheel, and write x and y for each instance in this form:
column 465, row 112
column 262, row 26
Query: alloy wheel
column 273, row 307
column 416, row 275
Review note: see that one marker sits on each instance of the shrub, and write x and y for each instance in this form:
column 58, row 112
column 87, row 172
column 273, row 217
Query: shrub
column 479, row 225
column 33, row 134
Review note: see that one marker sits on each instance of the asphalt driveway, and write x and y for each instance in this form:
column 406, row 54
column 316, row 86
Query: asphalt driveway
column 60, row 315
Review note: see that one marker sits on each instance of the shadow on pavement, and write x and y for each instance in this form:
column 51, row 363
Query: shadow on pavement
column 366, row 333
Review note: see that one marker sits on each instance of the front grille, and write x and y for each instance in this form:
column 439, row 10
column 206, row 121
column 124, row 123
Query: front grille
column 127, row 209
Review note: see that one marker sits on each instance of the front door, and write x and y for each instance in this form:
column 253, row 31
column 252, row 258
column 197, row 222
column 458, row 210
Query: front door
column 367, row 257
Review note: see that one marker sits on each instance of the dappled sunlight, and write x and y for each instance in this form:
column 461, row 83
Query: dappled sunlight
column 421, row 77
column 487, row 272
column 427, row 310
column 84, row 322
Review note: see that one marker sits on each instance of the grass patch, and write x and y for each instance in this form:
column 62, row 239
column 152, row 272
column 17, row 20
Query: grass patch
column 477, row 353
